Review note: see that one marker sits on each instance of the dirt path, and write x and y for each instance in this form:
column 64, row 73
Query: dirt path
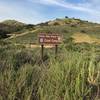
column 35, row 46
column 29, row 45
column 45, row 46
column 21, row 34
column 17, row 35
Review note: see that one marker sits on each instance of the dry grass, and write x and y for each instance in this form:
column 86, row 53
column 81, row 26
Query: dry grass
column 80, row 37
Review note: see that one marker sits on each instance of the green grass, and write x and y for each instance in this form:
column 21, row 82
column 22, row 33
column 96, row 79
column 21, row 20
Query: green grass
column 74, row 75
column 28, row 38
column 65, row 30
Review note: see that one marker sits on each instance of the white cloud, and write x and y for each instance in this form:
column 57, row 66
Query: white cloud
column 15, row 11
column 94, row 1
column 85, row 7
column 19, row 13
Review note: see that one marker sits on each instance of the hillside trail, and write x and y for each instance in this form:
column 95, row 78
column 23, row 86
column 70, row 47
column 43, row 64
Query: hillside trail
column 21, row 34
column 28, row 45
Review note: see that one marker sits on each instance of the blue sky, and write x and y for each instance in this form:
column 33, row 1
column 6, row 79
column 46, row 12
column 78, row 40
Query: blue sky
column 36, row 11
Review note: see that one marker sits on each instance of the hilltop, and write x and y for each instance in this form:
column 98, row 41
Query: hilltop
column 12, row 23
column 9, row 27
column 68, row 21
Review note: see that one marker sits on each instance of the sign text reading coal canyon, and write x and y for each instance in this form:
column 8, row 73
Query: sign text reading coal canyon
column 49, row 39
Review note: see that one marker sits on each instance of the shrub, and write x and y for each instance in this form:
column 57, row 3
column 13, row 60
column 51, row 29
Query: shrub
column 66, row 17
column 21, row 58
column 83, row 31
column 56, row 23
column 3, row 34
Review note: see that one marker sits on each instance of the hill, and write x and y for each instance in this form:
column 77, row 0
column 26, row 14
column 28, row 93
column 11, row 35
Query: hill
column 73, row 75
column 66, row 27
column 12, row 23
column 9, row 27
column 67, row 21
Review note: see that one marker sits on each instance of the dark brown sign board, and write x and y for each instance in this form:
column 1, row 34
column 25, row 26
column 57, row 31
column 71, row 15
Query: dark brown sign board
column 49, row 39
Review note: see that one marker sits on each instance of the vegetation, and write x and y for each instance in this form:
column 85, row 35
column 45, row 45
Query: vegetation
column 74, row 75
column 9, row 27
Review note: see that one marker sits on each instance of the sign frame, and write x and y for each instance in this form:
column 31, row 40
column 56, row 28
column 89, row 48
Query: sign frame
column 49, row 39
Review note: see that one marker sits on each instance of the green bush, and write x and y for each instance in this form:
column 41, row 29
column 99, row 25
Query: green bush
column 22, row 58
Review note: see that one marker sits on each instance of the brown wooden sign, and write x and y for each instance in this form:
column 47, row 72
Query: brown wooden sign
column 46, row 39
column 49, row 39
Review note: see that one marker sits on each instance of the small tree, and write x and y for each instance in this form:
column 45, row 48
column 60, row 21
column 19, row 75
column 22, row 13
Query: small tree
column 66, row 16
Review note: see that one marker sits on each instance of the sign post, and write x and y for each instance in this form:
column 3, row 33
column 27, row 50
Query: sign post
column 49, row 39
column 56, row 51
column 42, row 50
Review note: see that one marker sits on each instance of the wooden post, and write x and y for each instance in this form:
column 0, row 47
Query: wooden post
column 42, row 50
column 56, row 51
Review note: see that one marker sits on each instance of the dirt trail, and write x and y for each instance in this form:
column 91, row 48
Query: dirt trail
column 21, row 34
column 29, row 45
column 38, row 46
column 17, row 35
column 35, row 45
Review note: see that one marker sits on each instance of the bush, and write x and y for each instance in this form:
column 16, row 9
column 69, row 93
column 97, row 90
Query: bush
column 73, row 25
column 66, row 16
column 3, row 34
column 56, row 23
column 83, row 31
column 21, row 58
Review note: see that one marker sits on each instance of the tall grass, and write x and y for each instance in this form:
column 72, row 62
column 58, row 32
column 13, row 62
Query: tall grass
column 74, row 75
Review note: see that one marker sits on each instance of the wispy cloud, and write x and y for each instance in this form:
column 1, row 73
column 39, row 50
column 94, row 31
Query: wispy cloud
column 85, row 7
column 35, row 11
column 13, row 11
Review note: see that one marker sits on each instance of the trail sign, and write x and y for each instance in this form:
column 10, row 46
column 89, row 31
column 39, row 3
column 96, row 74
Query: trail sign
column 49, row 39
column 52, row 39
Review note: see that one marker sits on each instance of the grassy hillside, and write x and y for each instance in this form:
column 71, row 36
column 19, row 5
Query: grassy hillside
column 66, row 27
column 13, row 22
column 74, row 75
column 10, row 27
